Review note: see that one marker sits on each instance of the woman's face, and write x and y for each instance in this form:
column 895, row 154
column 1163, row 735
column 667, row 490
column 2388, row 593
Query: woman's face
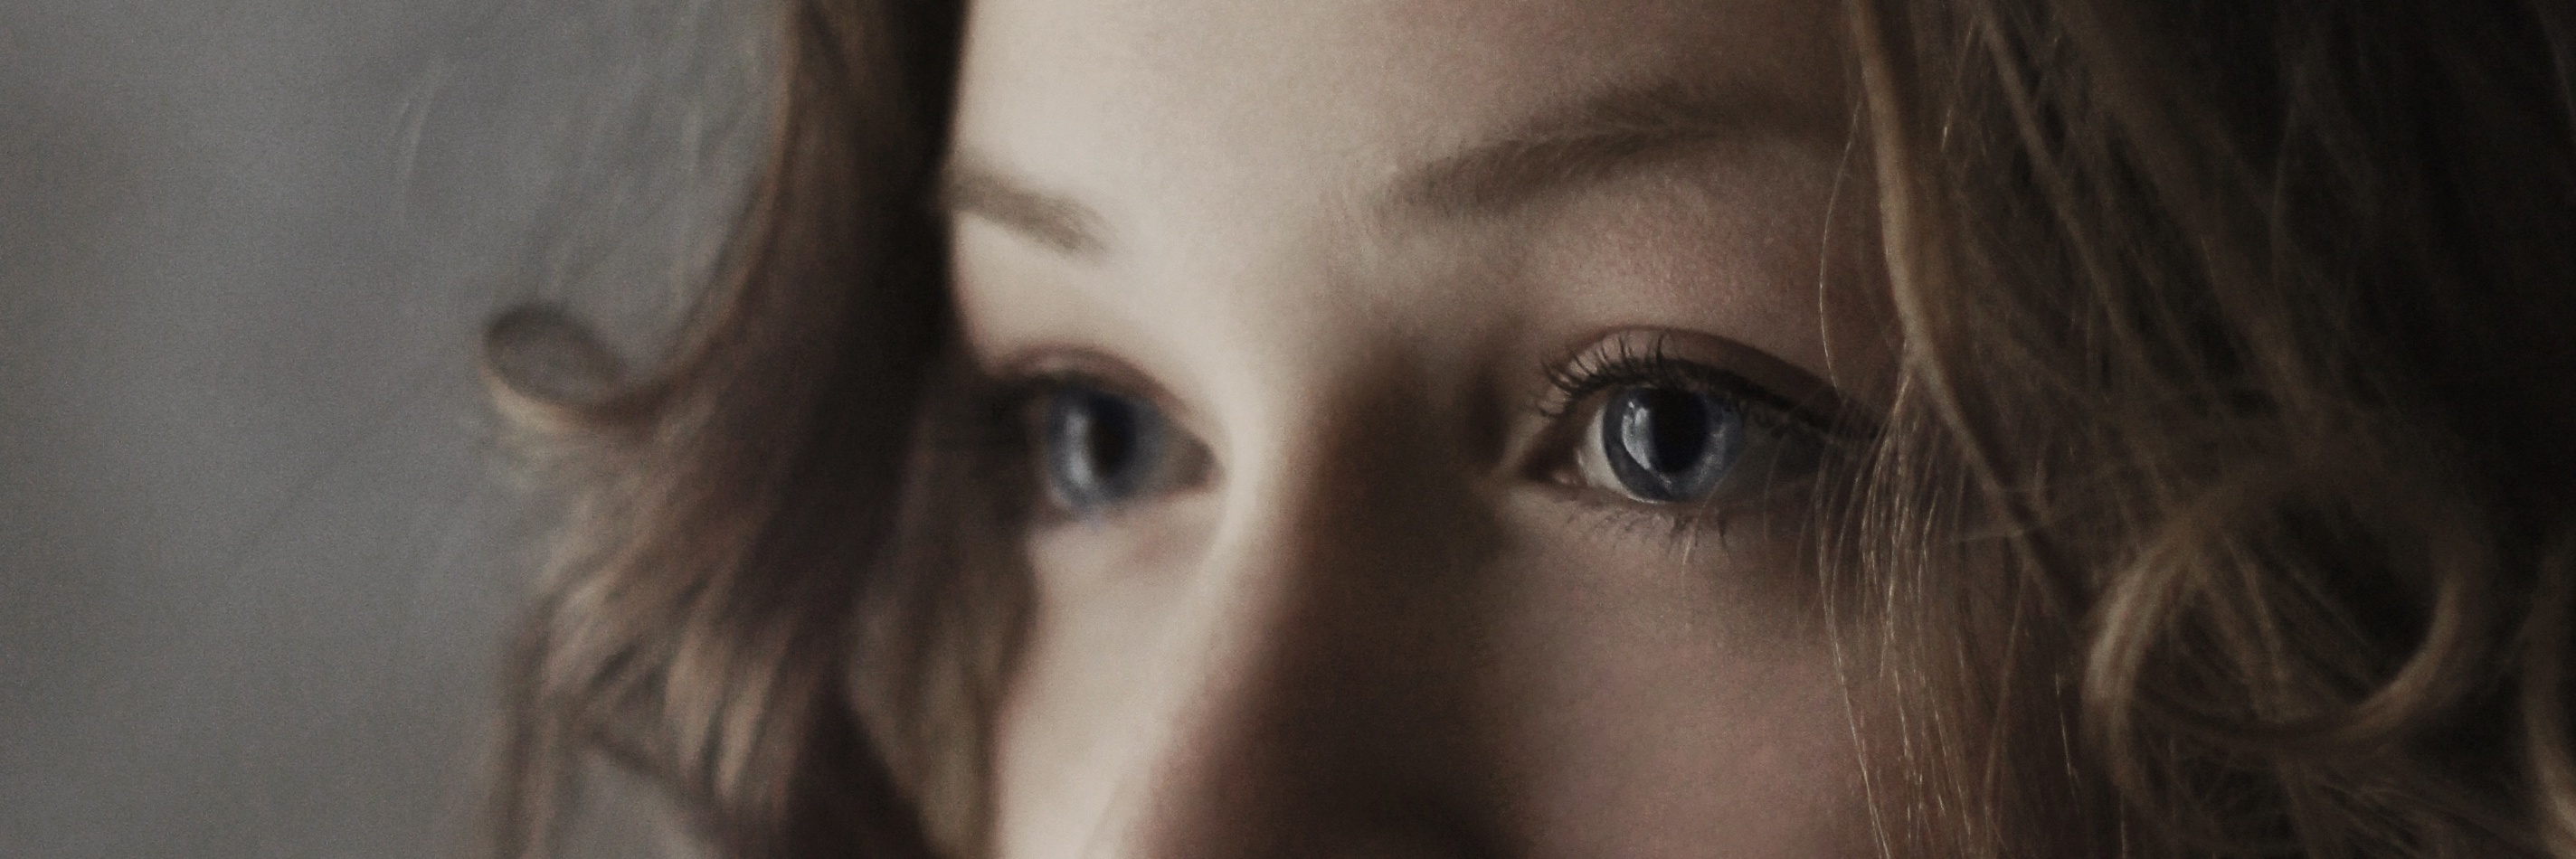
column 1423, row 395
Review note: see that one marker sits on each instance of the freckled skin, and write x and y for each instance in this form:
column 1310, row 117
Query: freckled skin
column 1374, row 628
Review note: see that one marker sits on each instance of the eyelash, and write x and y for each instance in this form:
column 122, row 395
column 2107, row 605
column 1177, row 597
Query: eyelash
column 1572, row 382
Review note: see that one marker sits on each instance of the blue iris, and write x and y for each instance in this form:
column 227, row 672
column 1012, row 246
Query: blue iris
column 1102, row 449
column 1669, row 444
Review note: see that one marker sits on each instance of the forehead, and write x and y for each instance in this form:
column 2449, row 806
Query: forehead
column 1283, row 98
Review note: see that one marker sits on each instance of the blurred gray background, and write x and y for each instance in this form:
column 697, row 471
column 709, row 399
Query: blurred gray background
column 258, row 543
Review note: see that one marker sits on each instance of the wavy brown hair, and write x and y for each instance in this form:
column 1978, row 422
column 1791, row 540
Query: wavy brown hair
column 2236, row 424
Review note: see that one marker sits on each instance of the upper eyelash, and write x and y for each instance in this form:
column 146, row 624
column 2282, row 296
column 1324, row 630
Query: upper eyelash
column 1628, row 365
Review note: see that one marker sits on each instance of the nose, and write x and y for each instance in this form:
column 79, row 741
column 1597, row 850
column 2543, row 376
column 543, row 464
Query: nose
column 1310, row 696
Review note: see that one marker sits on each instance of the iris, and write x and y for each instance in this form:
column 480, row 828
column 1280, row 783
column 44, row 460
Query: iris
column 1101, row 449
column 1670, row 444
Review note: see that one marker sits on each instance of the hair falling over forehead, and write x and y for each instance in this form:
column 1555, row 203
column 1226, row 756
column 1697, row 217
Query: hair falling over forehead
column 2232, row 425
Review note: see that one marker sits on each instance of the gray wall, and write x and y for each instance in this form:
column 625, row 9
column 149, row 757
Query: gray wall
column 258, row 546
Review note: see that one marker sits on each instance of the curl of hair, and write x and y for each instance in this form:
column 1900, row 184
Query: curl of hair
column 730, row 509
column 2235, row 394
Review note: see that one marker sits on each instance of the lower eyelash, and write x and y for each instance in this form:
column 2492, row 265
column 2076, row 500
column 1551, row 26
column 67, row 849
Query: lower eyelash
column 1685, row 529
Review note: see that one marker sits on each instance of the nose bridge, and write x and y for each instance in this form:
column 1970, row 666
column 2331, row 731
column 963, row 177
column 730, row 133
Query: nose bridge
column 1354, row 476
column 1322, row 717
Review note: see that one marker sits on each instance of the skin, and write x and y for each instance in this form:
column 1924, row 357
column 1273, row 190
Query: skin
column 1341, row 243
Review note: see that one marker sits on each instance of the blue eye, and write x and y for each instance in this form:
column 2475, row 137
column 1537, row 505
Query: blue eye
column 1670, row 444
column 1102, row 449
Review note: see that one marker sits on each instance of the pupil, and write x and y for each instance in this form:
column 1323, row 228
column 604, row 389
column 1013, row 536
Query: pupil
column 1676, row 428
column 1099, row 447
column 1106, row 433
column 1668, row 444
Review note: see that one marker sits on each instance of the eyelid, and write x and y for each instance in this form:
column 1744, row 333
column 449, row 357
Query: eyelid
column 1644, row 355
column 1076, row 364
column 1578, row 386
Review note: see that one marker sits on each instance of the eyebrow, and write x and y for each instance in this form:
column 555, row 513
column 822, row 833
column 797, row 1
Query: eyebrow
column 1595, row 139
column 1592, row 140
column 969, row 184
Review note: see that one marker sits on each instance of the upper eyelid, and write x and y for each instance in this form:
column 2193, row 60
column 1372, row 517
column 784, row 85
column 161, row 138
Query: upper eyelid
column 1576, row 378
column 1085, row 366
column 1748, row 373
column 1059, row 365
column 1677, row 371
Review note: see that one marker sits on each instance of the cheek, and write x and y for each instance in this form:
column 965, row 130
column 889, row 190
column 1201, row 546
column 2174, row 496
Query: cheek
column 1655, row 699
